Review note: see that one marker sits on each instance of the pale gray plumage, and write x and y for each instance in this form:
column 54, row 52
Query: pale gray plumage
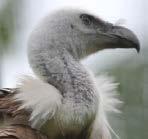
column 55, row 48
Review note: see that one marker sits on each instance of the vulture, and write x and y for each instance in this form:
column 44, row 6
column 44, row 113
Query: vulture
column 64, row 100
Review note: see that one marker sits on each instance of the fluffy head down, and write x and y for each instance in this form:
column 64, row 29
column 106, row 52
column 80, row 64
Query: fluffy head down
column 74, row 30
column 44, row 100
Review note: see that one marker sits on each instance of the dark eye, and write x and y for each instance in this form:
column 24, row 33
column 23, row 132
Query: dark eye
column 86, row 19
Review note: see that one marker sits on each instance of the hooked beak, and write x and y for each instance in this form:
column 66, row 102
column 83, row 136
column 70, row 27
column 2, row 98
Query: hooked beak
column 121, row 37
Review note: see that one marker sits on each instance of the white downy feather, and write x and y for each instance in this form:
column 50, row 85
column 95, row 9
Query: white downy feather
column 120, row 22
column 41, row 98
column 107, row 93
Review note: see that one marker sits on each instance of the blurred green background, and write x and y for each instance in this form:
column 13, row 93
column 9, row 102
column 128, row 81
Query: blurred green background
column 17, row 19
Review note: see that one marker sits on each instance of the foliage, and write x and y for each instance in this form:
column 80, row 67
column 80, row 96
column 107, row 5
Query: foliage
column 9, row 15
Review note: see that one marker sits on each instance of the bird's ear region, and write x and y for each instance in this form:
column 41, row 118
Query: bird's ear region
column 72, row 26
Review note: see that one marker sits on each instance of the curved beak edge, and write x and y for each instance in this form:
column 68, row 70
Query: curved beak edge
column 123, row 38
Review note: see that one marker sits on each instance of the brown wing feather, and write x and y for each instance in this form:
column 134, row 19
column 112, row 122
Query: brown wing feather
column 20, row 132
column 13, row 122
column 10, row 114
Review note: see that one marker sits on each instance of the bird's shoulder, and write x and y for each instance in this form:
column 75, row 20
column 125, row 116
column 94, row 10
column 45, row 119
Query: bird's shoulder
column 9, row 108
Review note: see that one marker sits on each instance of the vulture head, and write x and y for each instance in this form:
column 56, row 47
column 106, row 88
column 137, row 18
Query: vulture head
column 81, row 33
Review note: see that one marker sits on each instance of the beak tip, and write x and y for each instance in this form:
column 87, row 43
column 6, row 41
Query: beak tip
column 137, row 47
column 127, row 38
column 138, row 50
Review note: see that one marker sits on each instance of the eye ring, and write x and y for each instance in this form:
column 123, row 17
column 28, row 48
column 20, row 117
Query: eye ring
column 86, row 20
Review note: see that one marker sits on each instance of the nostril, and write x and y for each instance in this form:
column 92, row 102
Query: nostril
column 72, row 26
